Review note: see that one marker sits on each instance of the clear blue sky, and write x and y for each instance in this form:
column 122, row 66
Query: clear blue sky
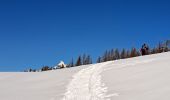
column 36, row 33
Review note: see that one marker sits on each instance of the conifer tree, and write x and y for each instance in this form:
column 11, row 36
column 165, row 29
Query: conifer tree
column 167, row 44
column 88, row 60
column 79, row 61
column 159, row 49
column 71, row 63
column 109, row 58
column 117, row 55
column 154, row 51
column 84, row 62
column 99, row 60
column 113, row 54
column 133, row 52
column 127, row 54
column 45, row 68
column 138, row 53
column 105, row 56
column 123, row 54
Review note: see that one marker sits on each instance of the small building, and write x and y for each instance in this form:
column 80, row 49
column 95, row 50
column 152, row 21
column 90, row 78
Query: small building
column 60, row 65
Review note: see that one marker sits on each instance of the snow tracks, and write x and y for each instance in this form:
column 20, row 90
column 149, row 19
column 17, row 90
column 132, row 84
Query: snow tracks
column 87, row 85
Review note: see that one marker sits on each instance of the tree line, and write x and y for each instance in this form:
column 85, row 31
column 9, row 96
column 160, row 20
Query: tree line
column 115, row 54
column 81, row 60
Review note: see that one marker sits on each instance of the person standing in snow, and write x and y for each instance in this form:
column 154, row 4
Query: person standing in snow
column 145, row 49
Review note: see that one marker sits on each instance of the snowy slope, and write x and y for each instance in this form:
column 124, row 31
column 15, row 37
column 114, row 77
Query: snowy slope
column 140, row 78
column 48, row 85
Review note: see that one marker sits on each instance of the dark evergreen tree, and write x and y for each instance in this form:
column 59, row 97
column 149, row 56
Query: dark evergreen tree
column 104, row 58
column 138, row 53
column 30, row 70
column 45, row 68
column 154, row 51
column 133, row 52
column 113, row 57
column 167, row 45
column 109, row 58
column 79, row 61
column 99, row 60
column 91, row 60
column 160, row 47
column 88, row 60
column 71, row 64
column 84, row 62
column 117, row 54
column 123, row 54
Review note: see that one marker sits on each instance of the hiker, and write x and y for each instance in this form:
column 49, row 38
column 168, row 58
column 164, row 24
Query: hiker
column 144, row 49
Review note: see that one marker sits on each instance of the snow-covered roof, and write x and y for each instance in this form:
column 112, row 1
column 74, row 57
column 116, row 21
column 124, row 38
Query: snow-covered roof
column 61, row 63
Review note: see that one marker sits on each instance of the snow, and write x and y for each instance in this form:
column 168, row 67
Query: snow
column 49, row 85
column 60, row 65
column 140, row 78
column 87, row 85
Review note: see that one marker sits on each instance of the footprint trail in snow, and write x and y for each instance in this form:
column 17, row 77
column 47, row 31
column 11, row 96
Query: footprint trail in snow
column 87, row 85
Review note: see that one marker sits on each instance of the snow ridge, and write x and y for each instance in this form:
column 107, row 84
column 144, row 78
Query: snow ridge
column 86, row 84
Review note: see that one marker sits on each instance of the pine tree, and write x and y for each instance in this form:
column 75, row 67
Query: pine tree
column 99, row 60
column 123, row 54
column 91, row 60
column 113, row 57
column 71, row 63
column 84, row 59
column 45, row 68
column 79, row 61
column 104, row 58
column 159, row 48
column 88, row 60
column 138, row 53
column 167, row 44
column 117, row 55
column 154, row 51
column 127, row 54
column 109, row 55
column 133, row 52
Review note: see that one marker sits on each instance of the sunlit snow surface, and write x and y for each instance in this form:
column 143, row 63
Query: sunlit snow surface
column 140, row 78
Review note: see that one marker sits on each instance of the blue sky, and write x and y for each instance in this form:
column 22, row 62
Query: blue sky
column 36, row 33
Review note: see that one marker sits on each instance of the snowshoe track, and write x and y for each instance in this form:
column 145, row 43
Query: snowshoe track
column 87, row 85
